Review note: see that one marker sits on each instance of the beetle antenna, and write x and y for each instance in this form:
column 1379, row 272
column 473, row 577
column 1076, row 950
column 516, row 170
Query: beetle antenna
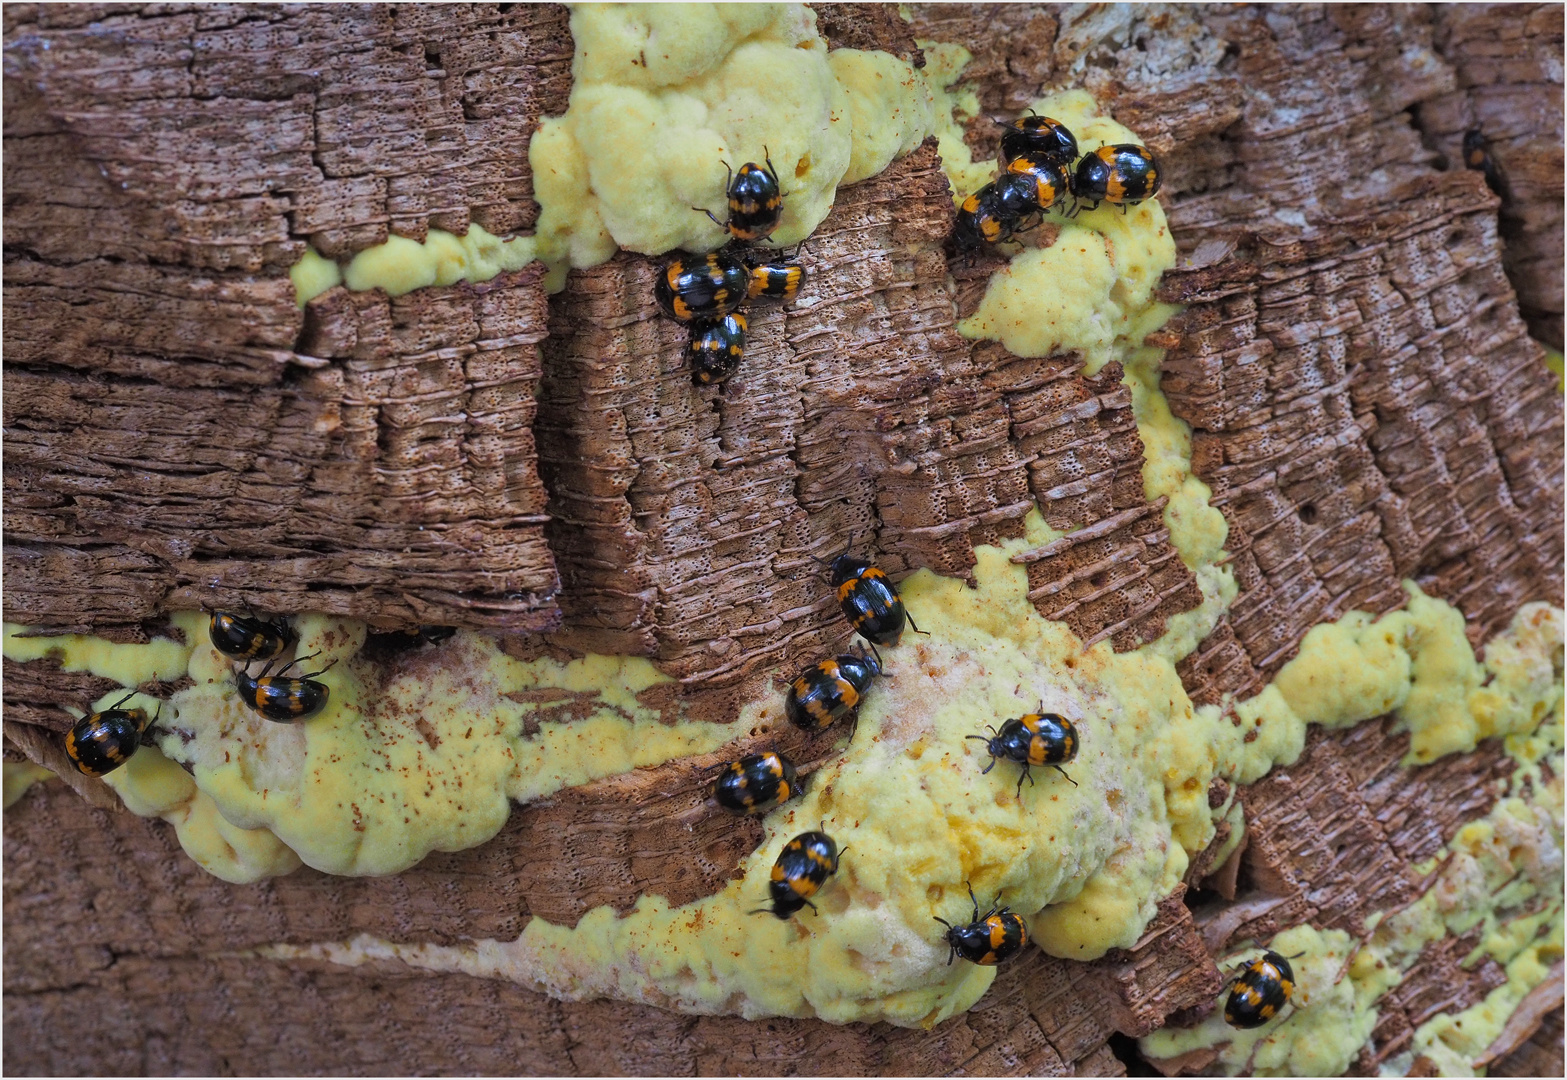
column 323, row 671
column 880, row 669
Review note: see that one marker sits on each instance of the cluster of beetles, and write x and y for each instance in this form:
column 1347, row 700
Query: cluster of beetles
column 102, row 741
column 831, row 690
column 1037, row 156
column 707, row 292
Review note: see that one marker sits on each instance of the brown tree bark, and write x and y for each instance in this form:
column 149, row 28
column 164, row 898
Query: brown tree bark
column 1366, row 400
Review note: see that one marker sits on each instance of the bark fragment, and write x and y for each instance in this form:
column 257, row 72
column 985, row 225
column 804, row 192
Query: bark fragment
column 1365, row 406
column 374, row 459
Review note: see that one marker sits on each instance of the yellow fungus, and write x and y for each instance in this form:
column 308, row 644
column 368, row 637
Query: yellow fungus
column 375, row 782
column 20, row 776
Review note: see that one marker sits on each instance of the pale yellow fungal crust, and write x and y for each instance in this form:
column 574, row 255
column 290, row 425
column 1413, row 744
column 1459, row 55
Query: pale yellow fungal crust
column 313, row 275
column 20, row 776
column 1085, row 865
column 953, row 103
column 889, row 105
column 1553, row 361
column 663, row 95
column 432, row 762
column 1318, row 1033
column 371, row 784
column 1092, row 292
column 128, row 665
column 401, row 265
column 153, row 786
column 1457, row 1042
column 1495, row 870
column 1419, row 663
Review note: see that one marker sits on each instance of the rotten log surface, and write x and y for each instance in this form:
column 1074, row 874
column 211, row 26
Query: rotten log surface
column 1366, row 402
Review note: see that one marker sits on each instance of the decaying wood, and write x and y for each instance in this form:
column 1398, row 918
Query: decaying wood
column 173, row 435
column 1366, row 406
column 1544, row 1000
column 1508, row 65
column 1541, row 1055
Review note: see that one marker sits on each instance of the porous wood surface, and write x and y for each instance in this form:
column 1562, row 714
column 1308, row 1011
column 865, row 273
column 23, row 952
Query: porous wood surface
column 178, row 431
column 1541, row 1055
column 1366, row 405
column 1508, row 63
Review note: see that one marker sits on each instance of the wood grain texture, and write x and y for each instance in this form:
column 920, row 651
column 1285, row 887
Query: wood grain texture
column 1354, row 359
column 179, row 431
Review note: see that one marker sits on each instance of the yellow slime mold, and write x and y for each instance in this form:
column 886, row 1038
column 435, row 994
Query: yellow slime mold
column 1499, row 864
column 431, row 762
column 663, row 97
column 1086, row 863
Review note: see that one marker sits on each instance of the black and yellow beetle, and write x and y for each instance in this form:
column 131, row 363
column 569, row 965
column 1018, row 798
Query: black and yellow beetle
column 987, row 939
column 715, row 348
column 101, row 742
column 756, row 784
column 982, row 220
column 803, row 866
column 1038, row 137
column 996, row 212
column 707, row 286
column 1122, row 175
column 1037, row 738
column 755, row 201
column 829, row 690
column 1262, row 988
column 379, row 643
column 776, row 281
column 282, row 698
column 1049, row 181
column 869, row 601
column 1477, row 156
column 248, row 638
